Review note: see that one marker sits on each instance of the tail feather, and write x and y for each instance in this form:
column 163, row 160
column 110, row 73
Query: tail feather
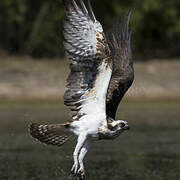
column 55, row 134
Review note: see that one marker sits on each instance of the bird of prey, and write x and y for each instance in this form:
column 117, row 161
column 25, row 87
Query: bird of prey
column 101, row 71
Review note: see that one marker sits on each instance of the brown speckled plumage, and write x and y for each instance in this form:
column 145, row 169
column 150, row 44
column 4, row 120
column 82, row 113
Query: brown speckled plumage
column 87, row 48
column 101, row 71
column 50, row 134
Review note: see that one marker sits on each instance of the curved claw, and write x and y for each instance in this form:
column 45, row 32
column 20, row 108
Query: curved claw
column 74, row 169
column 81, row 177
column 81, row 171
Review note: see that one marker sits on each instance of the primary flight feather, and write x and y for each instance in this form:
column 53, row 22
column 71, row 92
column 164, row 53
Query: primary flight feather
column 101, row 71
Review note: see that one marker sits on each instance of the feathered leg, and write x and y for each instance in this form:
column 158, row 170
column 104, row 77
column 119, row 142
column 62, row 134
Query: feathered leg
column 82, row 154
column 81, row 140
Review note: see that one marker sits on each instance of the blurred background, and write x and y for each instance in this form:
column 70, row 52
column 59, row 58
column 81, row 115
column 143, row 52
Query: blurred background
column 33, row 72
column 35, row 27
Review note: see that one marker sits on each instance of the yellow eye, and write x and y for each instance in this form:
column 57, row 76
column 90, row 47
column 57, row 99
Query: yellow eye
column 121, row 124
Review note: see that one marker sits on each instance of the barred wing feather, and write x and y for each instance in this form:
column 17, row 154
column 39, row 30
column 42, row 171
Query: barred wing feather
column 90, row 60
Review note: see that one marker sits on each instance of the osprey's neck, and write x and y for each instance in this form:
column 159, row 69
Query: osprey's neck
column 110, row 131
column 109, row 134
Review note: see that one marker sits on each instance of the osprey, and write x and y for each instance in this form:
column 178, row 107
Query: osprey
column 101, row 73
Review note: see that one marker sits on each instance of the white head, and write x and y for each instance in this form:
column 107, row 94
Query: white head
column 120, row 125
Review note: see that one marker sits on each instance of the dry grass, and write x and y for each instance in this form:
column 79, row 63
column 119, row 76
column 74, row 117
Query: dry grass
column 26, row 78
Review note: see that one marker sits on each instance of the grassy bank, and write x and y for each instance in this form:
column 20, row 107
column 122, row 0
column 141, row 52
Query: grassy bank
column 26, row 78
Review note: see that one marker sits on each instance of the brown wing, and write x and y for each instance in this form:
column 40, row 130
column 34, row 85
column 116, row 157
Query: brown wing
column 123, row 72
column 89, row 55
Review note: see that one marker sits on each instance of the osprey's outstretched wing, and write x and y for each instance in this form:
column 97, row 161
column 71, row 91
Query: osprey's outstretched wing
column 123, row 72
column 90, row 60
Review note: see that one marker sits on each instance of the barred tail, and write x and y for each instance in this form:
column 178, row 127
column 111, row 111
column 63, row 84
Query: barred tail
column 55, row 134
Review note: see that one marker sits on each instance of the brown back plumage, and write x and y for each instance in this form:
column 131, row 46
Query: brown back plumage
column 55, row 134
column 123, row 72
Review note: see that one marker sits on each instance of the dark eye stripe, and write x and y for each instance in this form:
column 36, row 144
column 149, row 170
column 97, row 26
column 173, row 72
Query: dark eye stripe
column 122, row 124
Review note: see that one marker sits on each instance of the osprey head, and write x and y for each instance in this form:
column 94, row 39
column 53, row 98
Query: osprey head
column 120, row 125
column 115, row 129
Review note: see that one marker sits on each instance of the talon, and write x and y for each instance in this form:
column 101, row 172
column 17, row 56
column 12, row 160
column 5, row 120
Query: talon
column 74, row 168
column 81, row 172
column 81, row 177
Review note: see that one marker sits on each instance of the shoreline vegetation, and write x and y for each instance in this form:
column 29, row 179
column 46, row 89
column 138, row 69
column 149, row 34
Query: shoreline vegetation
column 24, row 78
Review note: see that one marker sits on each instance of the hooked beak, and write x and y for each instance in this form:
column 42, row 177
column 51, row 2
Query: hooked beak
column 126, row 127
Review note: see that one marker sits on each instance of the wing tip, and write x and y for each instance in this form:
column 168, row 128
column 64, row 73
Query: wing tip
column 121, row 31
column 80, row 5
column 91, row 13
column 128, row 16
column 124, row 26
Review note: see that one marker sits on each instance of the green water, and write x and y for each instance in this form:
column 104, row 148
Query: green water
column 149, row 151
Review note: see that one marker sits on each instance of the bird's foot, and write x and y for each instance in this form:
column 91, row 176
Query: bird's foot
column 81, row 177
column 81, row 171
column 74, row 169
